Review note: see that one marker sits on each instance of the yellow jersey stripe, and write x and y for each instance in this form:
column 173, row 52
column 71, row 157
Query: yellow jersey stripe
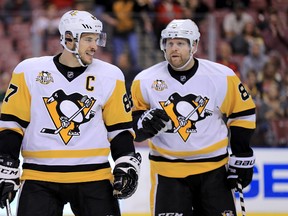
column 182, row 170
column 209, row 149
column 66, row 153
column 69, row 177
column 243, row 123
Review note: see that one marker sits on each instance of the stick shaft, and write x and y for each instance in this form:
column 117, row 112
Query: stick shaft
column 8, row 208
column 242, row 203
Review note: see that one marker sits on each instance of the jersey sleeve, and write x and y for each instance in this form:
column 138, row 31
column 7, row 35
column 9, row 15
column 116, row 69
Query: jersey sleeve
column 15, row 115
column 117, row 111
column 139, row 107
column 238, row 105
column 240, row 110
column 16, row 103
column 139, row 102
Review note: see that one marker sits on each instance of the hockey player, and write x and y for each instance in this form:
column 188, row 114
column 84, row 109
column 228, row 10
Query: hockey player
column 186, row 107
column 66, row 114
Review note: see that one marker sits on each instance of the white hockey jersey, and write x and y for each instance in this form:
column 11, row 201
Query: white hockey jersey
column 199, row 139
column 66, row 126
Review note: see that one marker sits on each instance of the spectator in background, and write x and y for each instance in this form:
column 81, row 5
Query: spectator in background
column 284, row 92
column 45, row 27
column 123, row 15
column 255, row 60
column 234, row 22
column 166, row 11
column 269, row 77
column 225, row 57
column 279, row 64
column 196, row 10
column 128, row 70
column 275, row 35
column 261, row 21
column 16, row 11
column 83, row 5
column 241, row 42
column 63, row 4
column 221, row 4
column 270, row 109
column 253, row 86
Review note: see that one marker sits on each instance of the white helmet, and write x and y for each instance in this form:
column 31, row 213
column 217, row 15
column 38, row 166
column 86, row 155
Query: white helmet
column 76, row 23
column 180, row 28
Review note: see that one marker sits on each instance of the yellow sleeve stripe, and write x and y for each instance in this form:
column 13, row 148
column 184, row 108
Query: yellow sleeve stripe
column 17, row 130
column 67, row 153
column 243, row 123
column 207, row 150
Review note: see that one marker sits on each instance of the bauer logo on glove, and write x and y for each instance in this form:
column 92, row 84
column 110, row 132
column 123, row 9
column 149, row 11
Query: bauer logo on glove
column 240, row 170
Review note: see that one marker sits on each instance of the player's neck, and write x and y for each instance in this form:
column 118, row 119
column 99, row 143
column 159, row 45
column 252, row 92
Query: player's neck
column 68, row 59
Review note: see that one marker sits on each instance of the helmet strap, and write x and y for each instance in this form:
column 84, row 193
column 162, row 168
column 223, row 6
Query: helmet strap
column 75, row 52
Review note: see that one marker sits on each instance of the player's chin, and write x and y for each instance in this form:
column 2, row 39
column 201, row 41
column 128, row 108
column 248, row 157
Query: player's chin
column 175, row 60
column 87, row 61
column 176, row 64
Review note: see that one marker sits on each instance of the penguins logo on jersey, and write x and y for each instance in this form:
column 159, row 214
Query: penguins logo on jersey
column 68, row 112
column 185, row 112
column 44, row 77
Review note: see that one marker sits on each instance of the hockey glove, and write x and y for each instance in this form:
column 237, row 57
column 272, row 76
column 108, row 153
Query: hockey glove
column 240, row 170
column 154, row 121
column 9, row 179
column 126, row 172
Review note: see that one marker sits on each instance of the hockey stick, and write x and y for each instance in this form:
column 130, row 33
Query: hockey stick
column 242, row 204
column 56, row 131
column 187, row 117
column 8, row 208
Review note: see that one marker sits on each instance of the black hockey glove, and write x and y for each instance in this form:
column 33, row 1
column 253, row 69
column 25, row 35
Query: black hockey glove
column 9, row 179
column 154, row 121
column 126, row 172
column 240, row 170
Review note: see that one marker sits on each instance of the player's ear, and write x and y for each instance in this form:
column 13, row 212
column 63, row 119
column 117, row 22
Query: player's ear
column 68, row 38
column 69, row 41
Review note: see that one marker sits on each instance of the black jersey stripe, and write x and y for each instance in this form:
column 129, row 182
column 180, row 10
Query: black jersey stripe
column 8, row 117
column 243, row 113
column 63, row 168
column 212, row 159
column 120, row 126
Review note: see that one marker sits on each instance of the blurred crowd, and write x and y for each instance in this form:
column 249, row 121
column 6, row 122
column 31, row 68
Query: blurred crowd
column 249, row 36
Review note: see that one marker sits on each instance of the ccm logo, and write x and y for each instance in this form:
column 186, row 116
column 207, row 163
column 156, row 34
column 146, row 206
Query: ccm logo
column 9, row 172
column 170, row 214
